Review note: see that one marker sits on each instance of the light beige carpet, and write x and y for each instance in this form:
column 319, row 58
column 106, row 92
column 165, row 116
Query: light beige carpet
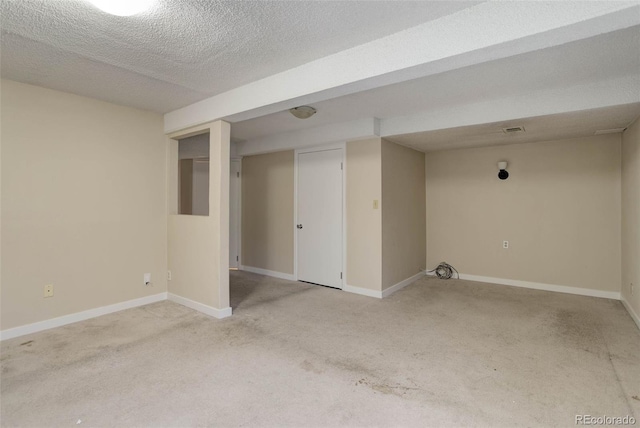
column 437, row 353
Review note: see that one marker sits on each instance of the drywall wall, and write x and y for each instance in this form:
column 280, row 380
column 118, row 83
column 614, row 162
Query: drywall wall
column 267, row 211
column 403, row 213
column 83, row 203
column 364, row 222
column 193, row 153
column 268, row 206
column 200, row 189
column 631, row 217
column 198, row 246
column 559, row 210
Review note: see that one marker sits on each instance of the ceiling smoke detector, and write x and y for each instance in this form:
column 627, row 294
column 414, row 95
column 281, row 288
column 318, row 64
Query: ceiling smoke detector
column 303, row 112
column 513, row 129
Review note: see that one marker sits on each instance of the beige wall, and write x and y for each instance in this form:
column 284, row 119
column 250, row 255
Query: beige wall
column 631, row 215
column 559, row 210
column 83, row 203
column 198, row 246
column 267, row 211
column 364, row 223
column 403, row 213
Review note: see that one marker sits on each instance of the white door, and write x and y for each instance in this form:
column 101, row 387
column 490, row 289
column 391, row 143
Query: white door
column 234, row 214
column 319, row 221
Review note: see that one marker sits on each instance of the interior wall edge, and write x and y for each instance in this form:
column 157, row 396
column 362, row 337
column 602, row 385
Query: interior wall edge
column 632, row 313
column 79, row 316
column 614, row 295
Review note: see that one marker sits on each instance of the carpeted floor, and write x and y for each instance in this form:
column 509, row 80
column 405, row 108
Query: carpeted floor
column 437, row 353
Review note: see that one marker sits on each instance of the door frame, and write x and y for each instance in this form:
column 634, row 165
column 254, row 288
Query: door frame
column 321, row 148
column 238, row 159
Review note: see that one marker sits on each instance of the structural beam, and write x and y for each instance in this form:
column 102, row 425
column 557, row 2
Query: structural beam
column 484, row 32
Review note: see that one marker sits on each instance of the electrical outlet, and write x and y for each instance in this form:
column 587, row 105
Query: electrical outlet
column 505, row 244
column 147, row 279
column 48, row 290
column 631, row 288
column 169, row 275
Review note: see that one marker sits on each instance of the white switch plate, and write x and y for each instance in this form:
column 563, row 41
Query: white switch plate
column 375, row 204
column 147, row 278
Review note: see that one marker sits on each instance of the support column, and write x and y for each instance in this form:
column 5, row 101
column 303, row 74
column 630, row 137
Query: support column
column 198, row 248
column 219, row 164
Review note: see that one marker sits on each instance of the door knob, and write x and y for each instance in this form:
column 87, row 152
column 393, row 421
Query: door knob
column 299, row 226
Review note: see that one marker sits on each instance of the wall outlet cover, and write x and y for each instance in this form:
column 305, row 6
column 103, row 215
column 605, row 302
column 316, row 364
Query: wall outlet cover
column 48, row 290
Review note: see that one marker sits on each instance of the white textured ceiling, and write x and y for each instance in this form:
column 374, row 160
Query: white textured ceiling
column 185, row 50
column 606, row 56
column 433, row 74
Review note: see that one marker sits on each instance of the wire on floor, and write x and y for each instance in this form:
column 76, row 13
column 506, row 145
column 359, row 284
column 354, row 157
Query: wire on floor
column 444, row 271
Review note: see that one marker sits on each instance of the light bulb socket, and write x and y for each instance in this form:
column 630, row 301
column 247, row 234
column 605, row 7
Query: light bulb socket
column 503, row 174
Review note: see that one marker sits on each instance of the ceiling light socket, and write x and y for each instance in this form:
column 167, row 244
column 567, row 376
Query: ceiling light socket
column 303, row 112
column 503, row 174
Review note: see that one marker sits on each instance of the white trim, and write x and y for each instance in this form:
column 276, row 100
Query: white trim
column 342, row 146
column 80, row 316
column 239, row 213
column 629, row 309
column 401, row 284
column 615, row 295
column 267, row 272
column 240, row 216
column 200, row 307
column 362, row 291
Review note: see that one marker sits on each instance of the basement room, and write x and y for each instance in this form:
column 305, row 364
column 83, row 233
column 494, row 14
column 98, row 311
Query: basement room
column 319, row 214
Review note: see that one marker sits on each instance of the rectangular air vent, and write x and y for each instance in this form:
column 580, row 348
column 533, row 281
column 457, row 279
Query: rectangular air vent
column 513, row 129
column 609, row 131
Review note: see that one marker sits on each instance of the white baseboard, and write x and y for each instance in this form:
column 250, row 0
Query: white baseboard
column 629, row 309
column 615, row 295
column 266, row 272
column 362, row 291
column 79, row 316
column 401, row 284
column 200, row 307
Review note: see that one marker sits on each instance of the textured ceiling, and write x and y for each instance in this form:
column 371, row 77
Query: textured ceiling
column 589, row 60
column 459, row 63
column 541, row 128
column 185, row 50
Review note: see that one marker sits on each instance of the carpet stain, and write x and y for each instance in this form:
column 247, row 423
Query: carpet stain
column 307, row 366
column 397, row 389
column 578, row 329
column 29, row 343
column 635, row 397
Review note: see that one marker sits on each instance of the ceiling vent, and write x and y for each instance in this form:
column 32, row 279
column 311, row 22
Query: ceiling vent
column 513, row 129
column 609, row 131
